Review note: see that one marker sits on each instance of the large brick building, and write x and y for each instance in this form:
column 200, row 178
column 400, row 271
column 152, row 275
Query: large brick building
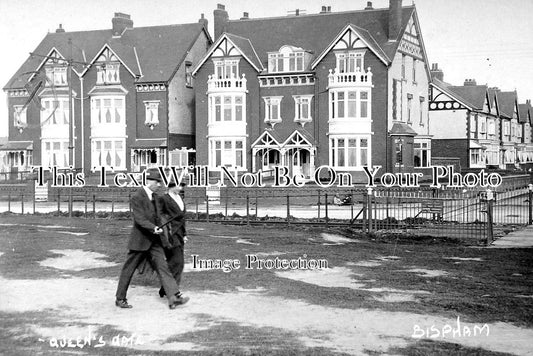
column 346, row 89
column 131, row 97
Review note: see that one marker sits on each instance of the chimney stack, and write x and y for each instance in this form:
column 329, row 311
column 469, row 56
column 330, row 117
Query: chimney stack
column 369, row 5
column 325, row 10
column 245, row 16
column 436, row 72
column 203, row 20
column 120, row 23
column 221, row 20
column 470, row 82
column 528, row 101
column 60, row 29
column 395, row 19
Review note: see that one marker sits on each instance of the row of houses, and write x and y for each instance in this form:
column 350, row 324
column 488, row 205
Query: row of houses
column 343, row 89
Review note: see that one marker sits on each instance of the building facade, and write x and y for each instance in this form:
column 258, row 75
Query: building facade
column 128, row 92
column 482, row 127
column 345, row 89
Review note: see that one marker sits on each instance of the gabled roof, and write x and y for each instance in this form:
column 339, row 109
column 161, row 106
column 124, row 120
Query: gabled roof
column 242, row 44
column 473, row 95
column 506, row 103
column 154, row 52
column 315, row 32
column 367, row 39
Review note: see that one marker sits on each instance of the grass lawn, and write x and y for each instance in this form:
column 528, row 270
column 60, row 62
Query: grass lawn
column 58, row 278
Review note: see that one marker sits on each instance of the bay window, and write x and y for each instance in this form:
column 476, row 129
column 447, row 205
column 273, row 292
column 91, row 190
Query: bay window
column 56, row 112
column 226, row 152
column 107, row 110
column 422, row 154
column 349, row 104
column 55, row 153
column 226, row 107
column 349, row 152
column 108, row 152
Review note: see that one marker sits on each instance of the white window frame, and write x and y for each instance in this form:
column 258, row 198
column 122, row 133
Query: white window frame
column 336, row 151
column 20, row 116
column 226, row 68
column 56, row 112
column 98, row 107
column 100, row 161
column 151, row 112
column 302, row 102
column 57, row 75
column 350, row 61
column 422, row 146
column 228, row 149
column 108, row 73
column 334, row 104
column 233, row 105
column 62, row 153
column 270, row 101
column 281, row 62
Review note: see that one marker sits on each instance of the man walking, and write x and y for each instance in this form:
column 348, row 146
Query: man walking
column 172, row 210
column 145, row 243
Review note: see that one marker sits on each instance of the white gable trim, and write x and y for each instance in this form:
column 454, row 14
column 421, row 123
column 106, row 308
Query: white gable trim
column 43, row 62
column 265, row 133
column 451, row 96
column 215, row 46
column 99, row 53
column 341, row 34
column 296, row 132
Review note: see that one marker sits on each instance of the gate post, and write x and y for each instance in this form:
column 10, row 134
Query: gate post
column 530, row 204
column 369, row 208
column 490, row 206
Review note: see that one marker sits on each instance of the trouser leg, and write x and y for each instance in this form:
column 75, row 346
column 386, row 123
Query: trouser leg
column 157, row 256
column 176, row 262
column 133, row 259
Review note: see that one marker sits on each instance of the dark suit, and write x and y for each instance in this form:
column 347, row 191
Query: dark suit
column 143, row 244
column 169, row 209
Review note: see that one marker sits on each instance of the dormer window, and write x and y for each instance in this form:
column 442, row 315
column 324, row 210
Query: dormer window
column 226, row 68
column 349, row 62
column 57, row 75
column 288, row 59
column 108, row 73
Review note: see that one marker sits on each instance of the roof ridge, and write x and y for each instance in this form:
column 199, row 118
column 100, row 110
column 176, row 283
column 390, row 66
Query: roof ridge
column 310, row 15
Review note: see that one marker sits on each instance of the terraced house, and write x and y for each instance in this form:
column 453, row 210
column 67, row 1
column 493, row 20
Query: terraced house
column 346, row 89
column 482, row 127
column 129, row 96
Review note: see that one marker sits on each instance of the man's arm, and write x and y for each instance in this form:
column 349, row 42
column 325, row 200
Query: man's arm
column 140, row 215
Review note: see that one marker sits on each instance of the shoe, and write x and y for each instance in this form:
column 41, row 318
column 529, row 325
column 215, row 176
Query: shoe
column 123, row 303
column 162, row 292
column 178, row 299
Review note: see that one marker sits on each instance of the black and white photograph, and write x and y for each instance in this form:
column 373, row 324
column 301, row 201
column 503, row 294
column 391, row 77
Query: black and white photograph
column 231, row 177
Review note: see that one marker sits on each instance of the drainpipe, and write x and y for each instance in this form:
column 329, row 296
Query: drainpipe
column 82, row 123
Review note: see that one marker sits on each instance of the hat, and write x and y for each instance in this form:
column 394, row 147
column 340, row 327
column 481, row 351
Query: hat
column 153, row 173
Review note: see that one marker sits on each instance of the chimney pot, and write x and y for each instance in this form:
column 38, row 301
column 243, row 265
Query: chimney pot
column 60, row 29
column 221, row 19
column 329, row 9
column 203, row 20
column 369, row 5
column 120, row 23
column 245, row 16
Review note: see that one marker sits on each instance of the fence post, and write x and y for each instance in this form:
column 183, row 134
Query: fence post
column 247, row 209
column 256, row 205
column 530, row 204
column 318, row 205
column 207, row 208
column 196, row 202
column 22, row 202
column 326, row 209
column 369, row 208
column 94, row 206
column 34, row 199
column 490, row 201
column 9, row 202
column 226, row 205
column 288, row 211
column 70, row 202
column 58, row 200
column 85, row 204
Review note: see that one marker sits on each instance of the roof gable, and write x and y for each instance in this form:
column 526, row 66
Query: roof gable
column 315, row 33
column 232, row 45
column 158, row 50
column 353, row 37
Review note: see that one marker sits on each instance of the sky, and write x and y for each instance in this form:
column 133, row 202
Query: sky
column 490, row 41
